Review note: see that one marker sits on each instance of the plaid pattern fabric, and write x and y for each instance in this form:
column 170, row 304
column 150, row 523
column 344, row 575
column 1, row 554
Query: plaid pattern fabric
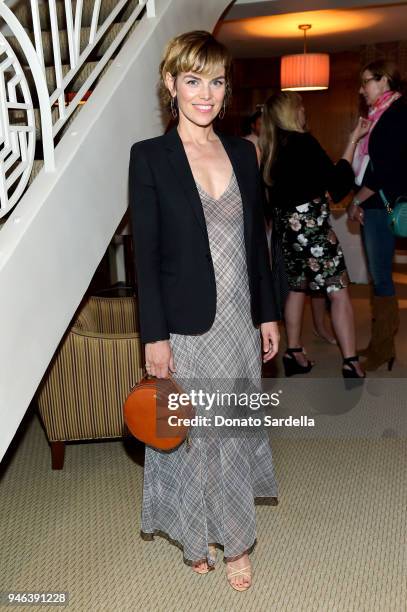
column 205, row 494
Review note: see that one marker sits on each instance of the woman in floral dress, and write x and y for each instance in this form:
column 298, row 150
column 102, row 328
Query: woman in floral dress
column 299, row 174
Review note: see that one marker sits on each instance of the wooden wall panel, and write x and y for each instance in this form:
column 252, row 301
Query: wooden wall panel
column 332, row 113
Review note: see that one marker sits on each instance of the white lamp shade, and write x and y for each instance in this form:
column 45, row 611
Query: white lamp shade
column 305, row 72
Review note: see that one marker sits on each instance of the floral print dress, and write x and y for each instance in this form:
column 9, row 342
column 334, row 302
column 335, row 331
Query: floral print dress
column 313, row 257
column 302, row 176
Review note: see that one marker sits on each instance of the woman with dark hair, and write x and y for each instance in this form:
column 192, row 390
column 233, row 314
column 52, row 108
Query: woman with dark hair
column 380, row 165
column 206, row 302
column 298, row 174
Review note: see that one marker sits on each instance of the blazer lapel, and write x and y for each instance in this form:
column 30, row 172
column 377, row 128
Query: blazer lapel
column 182, row 170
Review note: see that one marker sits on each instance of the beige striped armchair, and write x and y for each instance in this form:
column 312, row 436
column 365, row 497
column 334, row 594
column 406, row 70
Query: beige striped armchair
column 82, row 394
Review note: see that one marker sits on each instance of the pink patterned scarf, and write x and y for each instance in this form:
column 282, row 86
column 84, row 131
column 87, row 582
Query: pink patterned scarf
column 361, row 156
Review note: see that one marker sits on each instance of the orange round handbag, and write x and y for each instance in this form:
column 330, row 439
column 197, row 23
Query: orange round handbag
column 147, row 414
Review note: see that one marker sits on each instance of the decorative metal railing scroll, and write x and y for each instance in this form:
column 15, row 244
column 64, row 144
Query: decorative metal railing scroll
column 37, row 65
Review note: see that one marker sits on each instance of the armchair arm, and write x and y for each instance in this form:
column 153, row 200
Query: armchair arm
column 83, row 394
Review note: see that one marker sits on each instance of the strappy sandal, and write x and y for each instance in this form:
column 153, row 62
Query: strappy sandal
column 208, row 568
column 243, row 571
column 350, row 371
column 291, row 365
column 212, row 552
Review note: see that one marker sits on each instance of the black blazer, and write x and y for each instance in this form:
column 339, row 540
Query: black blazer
column 388, row 156
column 175, row 274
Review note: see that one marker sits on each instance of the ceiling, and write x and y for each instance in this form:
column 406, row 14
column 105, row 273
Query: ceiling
column 270, row 27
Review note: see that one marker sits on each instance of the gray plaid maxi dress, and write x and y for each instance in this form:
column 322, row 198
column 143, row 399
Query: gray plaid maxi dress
column 205, row 494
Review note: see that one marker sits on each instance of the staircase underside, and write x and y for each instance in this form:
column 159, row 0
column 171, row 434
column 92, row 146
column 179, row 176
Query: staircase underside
column 53, row 241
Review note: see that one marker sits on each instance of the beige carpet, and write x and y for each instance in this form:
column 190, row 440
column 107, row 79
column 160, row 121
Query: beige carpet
column 336, row 541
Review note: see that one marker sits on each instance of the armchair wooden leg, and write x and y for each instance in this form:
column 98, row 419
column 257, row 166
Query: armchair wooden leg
column 57, row 454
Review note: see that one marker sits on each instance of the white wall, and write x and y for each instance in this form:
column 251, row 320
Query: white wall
column 54, row 240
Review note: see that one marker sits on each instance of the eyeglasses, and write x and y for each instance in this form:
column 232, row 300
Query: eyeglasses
column 366, row 81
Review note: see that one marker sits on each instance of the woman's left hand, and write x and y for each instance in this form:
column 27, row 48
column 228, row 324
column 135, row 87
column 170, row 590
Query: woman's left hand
column 270, row 338
column 355, row 213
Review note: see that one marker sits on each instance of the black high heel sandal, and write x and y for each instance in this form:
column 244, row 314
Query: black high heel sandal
column 291, row 365
column 352, row 372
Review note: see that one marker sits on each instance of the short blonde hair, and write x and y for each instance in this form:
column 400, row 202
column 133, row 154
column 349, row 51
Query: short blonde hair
column 196, row 51
column 280, row 112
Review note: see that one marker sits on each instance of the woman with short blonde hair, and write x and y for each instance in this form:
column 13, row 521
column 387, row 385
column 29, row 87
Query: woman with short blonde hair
column 207, row 306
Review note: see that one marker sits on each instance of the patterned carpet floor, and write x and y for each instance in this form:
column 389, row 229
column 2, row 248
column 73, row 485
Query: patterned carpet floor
column 336, row 541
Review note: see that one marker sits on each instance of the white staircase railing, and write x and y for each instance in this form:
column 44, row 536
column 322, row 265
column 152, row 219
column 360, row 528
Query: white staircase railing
column 18, row 141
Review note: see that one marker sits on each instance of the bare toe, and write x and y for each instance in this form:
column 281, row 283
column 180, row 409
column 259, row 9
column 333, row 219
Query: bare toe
column 239, row 572
column 200, row 567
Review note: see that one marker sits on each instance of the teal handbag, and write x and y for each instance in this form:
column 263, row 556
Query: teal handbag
column 397, row 216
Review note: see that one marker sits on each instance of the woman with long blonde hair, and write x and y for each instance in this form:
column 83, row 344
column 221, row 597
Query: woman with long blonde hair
column 298, row 174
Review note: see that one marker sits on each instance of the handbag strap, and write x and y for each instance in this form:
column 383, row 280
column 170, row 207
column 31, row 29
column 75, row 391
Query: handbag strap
column 383, row 197
column 385, row 202
column 149, row 377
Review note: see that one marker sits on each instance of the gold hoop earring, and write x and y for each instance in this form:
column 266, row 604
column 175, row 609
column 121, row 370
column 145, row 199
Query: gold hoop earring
column 174, row 111
column 222, row 112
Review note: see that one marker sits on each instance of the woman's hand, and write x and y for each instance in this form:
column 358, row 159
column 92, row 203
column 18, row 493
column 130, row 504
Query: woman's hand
column 270, row 338
column 159, row 358
column 355, row 213
column 361, row 129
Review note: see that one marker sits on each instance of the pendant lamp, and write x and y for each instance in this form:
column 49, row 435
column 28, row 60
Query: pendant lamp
column 305, row 71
